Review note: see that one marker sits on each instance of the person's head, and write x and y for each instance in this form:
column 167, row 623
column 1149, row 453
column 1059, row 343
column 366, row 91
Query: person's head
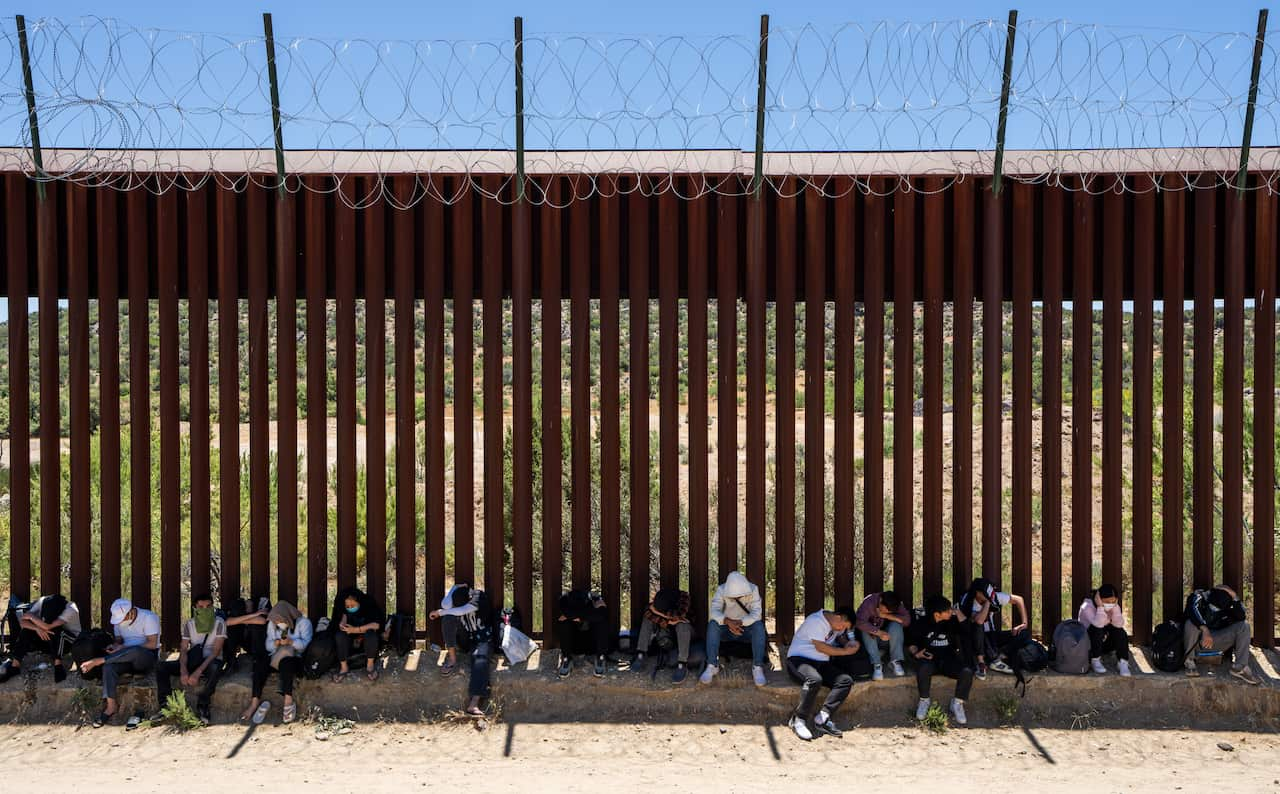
column 202, row 611
column 202, row 601
column 983, row 590
column 938, row 607
column 666, row 600
column 461, row 595
column 351, row 604
column 52, row 607
column 576, row 604
column 890, row 601
column 1226, row 589
column 284, row 615
column 1108, row 596
column 736, row 585
column 122, row 611
column 842, row 618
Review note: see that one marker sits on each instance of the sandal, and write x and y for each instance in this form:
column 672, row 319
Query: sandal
column 448, row 668
column 289, row 713
column 339, row 677
column 474, row 711
column 260, row 713
column 372, row 675
column 133, row 723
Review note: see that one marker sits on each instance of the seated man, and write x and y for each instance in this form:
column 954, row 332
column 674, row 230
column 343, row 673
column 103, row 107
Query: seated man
column 980, row 608
column 809, row 663
column 358, row 627
column 1215, row 619
column 881, row 618
column 582, row 628
column 667, row 614
column 940, row 647
column 199, row 657
column 467, row 623
column 137, row 633
column 736, row 612
column 49, row 626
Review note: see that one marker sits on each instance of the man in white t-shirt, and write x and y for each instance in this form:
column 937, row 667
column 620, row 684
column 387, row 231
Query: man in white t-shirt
column 980, row 607
column 199, row 657
column 49, row 626
column 821, row 636
column 137, row 633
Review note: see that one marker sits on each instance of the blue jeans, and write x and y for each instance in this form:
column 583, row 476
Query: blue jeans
column 872, row 642
column 134, row 659
column 755, row 634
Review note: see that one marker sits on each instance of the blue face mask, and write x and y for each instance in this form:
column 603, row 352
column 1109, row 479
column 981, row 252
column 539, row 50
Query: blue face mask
column 353, row 610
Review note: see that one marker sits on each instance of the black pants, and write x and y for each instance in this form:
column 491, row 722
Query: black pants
column 952, row 668
column 367, row 643
column 28, row 641
column 166, row 671
column 478, row 686
column 589, row 635
column 812, row 676
column 290, row 668
column 987, row 644
column 1108, row 638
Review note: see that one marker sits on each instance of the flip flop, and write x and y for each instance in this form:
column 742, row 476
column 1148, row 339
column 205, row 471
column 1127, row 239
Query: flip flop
column 260, row 713
column 474, row 711
column 289, row 713
column 448, row 668
column 372, row 675
column 338, row 678
column 133, row 723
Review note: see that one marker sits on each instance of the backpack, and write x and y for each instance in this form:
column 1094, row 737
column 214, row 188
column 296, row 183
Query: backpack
column 320, row 655
column 1025, row 655
column 90, row 645
column 1071, row 648
column 401, row 632
column 251, row 639
column 858, row 666
column 1167, row 652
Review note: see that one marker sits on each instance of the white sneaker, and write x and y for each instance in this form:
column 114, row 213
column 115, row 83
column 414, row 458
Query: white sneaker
column 957, row 712
column 757, row 674
column 708, row 674
column 878, row 673
column 922, row 708
column 801, row 728
column 897, row 669
column 1097, row 666
column 1123, row 667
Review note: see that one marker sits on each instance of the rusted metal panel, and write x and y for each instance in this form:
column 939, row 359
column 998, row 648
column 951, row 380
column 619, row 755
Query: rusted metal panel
column 316, row 246
column 963, row 241
column 1024, row 264
column 904, row 389
column 257, row 258
column 786, row 253
column 374, row 267
column 228, row 264
column 431, row 217
column 1203, row 498
column 167, row 233
column 638, row 264
column 138, row 276
column 286, row 286
column 1235, row 207
column 992, row 383
column 107, row 207
column 1114, row 261
column 493, row 223
column 815, row 291
column 459, row 220
column 344, row 276
column 17, row 254
column 1173, row 491
column 1082, row 262
column 77, row 247
column 1144, row 272
column 931, row 487
column 727, row 266
column 610, row 253
column 699, row 268
column 1052, row 246
column 1264, row 418
column 551, row 267
column 48, row 220
column 522, row 408
column 403, row 242
column 580, row 393
column 668, row 390
column 874, row 221
column 754, row 487
column 843, row 513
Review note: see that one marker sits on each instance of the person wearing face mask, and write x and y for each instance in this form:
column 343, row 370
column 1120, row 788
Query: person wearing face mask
column 358, row 626
column 198, row 658
column 137, row 638
column 1103, row 616
column 289, row 633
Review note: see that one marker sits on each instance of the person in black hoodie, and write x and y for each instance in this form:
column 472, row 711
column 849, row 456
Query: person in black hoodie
column 1215, row 619
column 357, row 627
column 940, row 645
column 583, row 627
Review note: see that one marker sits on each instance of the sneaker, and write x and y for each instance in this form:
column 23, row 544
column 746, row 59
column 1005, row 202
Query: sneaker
column 638, row 664
column 957, row 712
column 708, row 674
column 598, row 670
column 1097, row 666
column 757, row 675
column 566, row 666
column 801, row 728
column 922, row 708
column 1123, row 667
column 877, row 673
column 678, row 674
column 1190, row 667
column 896, row 667
column 1246, row 675
column 981, row 672
column 202, row 712
column 828, row 726
column 1001, row 666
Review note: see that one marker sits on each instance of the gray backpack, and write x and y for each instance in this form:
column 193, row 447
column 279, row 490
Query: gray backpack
column 1071, row 648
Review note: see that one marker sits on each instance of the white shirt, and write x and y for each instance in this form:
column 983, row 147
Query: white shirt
column 814, row 627
column 70, row 616
column 1001, row 599
column 210, row 640
column 135, row 632
column 301, row 636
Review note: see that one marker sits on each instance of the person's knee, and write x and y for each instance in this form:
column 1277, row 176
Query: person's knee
column 842, row 681
column 894, row 628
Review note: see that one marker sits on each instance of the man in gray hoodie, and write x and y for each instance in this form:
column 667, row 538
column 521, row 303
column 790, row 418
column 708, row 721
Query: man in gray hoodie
column 737, row 613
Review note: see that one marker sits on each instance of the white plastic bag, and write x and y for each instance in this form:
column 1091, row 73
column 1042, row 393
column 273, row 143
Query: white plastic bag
column 516, row 645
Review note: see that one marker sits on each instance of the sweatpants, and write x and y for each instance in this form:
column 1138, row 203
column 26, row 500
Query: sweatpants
column 588, row 635
column 812, row 676
column 289, row 670
column 134, row 659
column 649, row 630
column 1108, row 638
column 167, row 671
column 28, row 641
column 478, row 685
column 1236, row 637
column 926, row 669
column 367, row 642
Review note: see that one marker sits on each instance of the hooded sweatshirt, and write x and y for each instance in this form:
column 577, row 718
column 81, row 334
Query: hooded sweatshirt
column 1091, row 615
column 738, row 599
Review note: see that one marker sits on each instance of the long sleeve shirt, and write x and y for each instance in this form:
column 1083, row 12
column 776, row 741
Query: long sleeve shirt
column 1093, row 615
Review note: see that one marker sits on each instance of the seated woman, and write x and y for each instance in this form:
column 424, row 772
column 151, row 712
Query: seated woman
column 465, row 619
column 358, row 628
column 1103, row 616
column 288, row 634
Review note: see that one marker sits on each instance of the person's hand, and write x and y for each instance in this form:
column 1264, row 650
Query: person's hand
column 882, row 635
column 113, row 647
column 435, row 613
column 853, row 647
column 1206, row 637
column 185, row 680
column 1019, row 628
column 44, row 635
column 562, row 618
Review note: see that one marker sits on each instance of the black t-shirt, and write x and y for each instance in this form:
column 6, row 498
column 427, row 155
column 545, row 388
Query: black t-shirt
column 943, row 640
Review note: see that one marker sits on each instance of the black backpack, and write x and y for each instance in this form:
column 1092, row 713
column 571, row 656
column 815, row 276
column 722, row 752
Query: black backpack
column 401, row 632
column 1167, row 653
column 91, row 644
column 320, row 655
column 1025, row 655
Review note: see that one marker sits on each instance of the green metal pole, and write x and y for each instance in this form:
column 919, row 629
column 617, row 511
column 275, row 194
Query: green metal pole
column 761, row 81
column 275, row 101
column 1259, row 42
column 519, row 54
column 36, row 154
column 998, row 173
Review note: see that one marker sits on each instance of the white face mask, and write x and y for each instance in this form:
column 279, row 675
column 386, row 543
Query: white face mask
column 1108, row 607
column 282, row 626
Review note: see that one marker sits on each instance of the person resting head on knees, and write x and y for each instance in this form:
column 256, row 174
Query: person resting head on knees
column 199, row 657
column 466, row 620
column 1215, row 621
column 736, row 617
column 49, row 626
column 821, row 636
column 358, row 628
column 980, row 608
column 1103, row 616
column 667, row 615
column 137, row 640
column 582, row 628
column 940, row 646
column 289, row 632
column 882, row 618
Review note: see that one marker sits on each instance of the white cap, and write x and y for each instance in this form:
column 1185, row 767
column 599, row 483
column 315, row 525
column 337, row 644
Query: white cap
column 120, row 610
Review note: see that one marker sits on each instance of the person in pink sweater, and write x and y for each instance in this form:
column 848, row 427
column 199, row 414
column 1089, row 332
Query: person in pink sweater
column 1103, row 616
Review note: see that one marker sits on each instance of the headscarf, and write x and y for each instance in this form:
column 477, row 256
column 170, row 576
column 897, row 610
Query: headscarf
column 284, row 612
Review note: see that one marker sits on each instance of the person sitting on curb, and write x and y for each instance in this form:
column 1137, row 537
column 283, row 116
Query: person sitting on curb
column 49, row 627
column 1103, row 617
column 737, row 616
column 582, row 628
column 466, row 620
column 1215, row 619
column 667, row 614
column 199, row 657
column 289, row 632
column 881, row 618
column 939, row 644
column 358, row 627
column 809, row 664
column 980, row 608
column 137, row 633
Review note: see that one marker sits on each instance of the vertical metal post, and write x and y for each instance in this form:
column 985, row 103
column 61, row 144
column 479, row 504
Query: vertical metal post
column 761, row 79
column 275, row 101
column 1259, row 42
column 1010, row 37
column 36, row 154
column 519, row 56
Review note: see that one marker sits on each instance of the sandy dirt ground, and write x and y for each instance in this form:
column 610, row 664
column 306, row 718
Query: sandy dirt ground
column 577, row 757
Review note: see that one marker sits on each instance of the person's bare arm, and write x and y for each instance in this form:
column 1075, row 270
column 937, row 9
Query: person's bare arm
column 1020, row 605
column 153, row 642
column 836, row 650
